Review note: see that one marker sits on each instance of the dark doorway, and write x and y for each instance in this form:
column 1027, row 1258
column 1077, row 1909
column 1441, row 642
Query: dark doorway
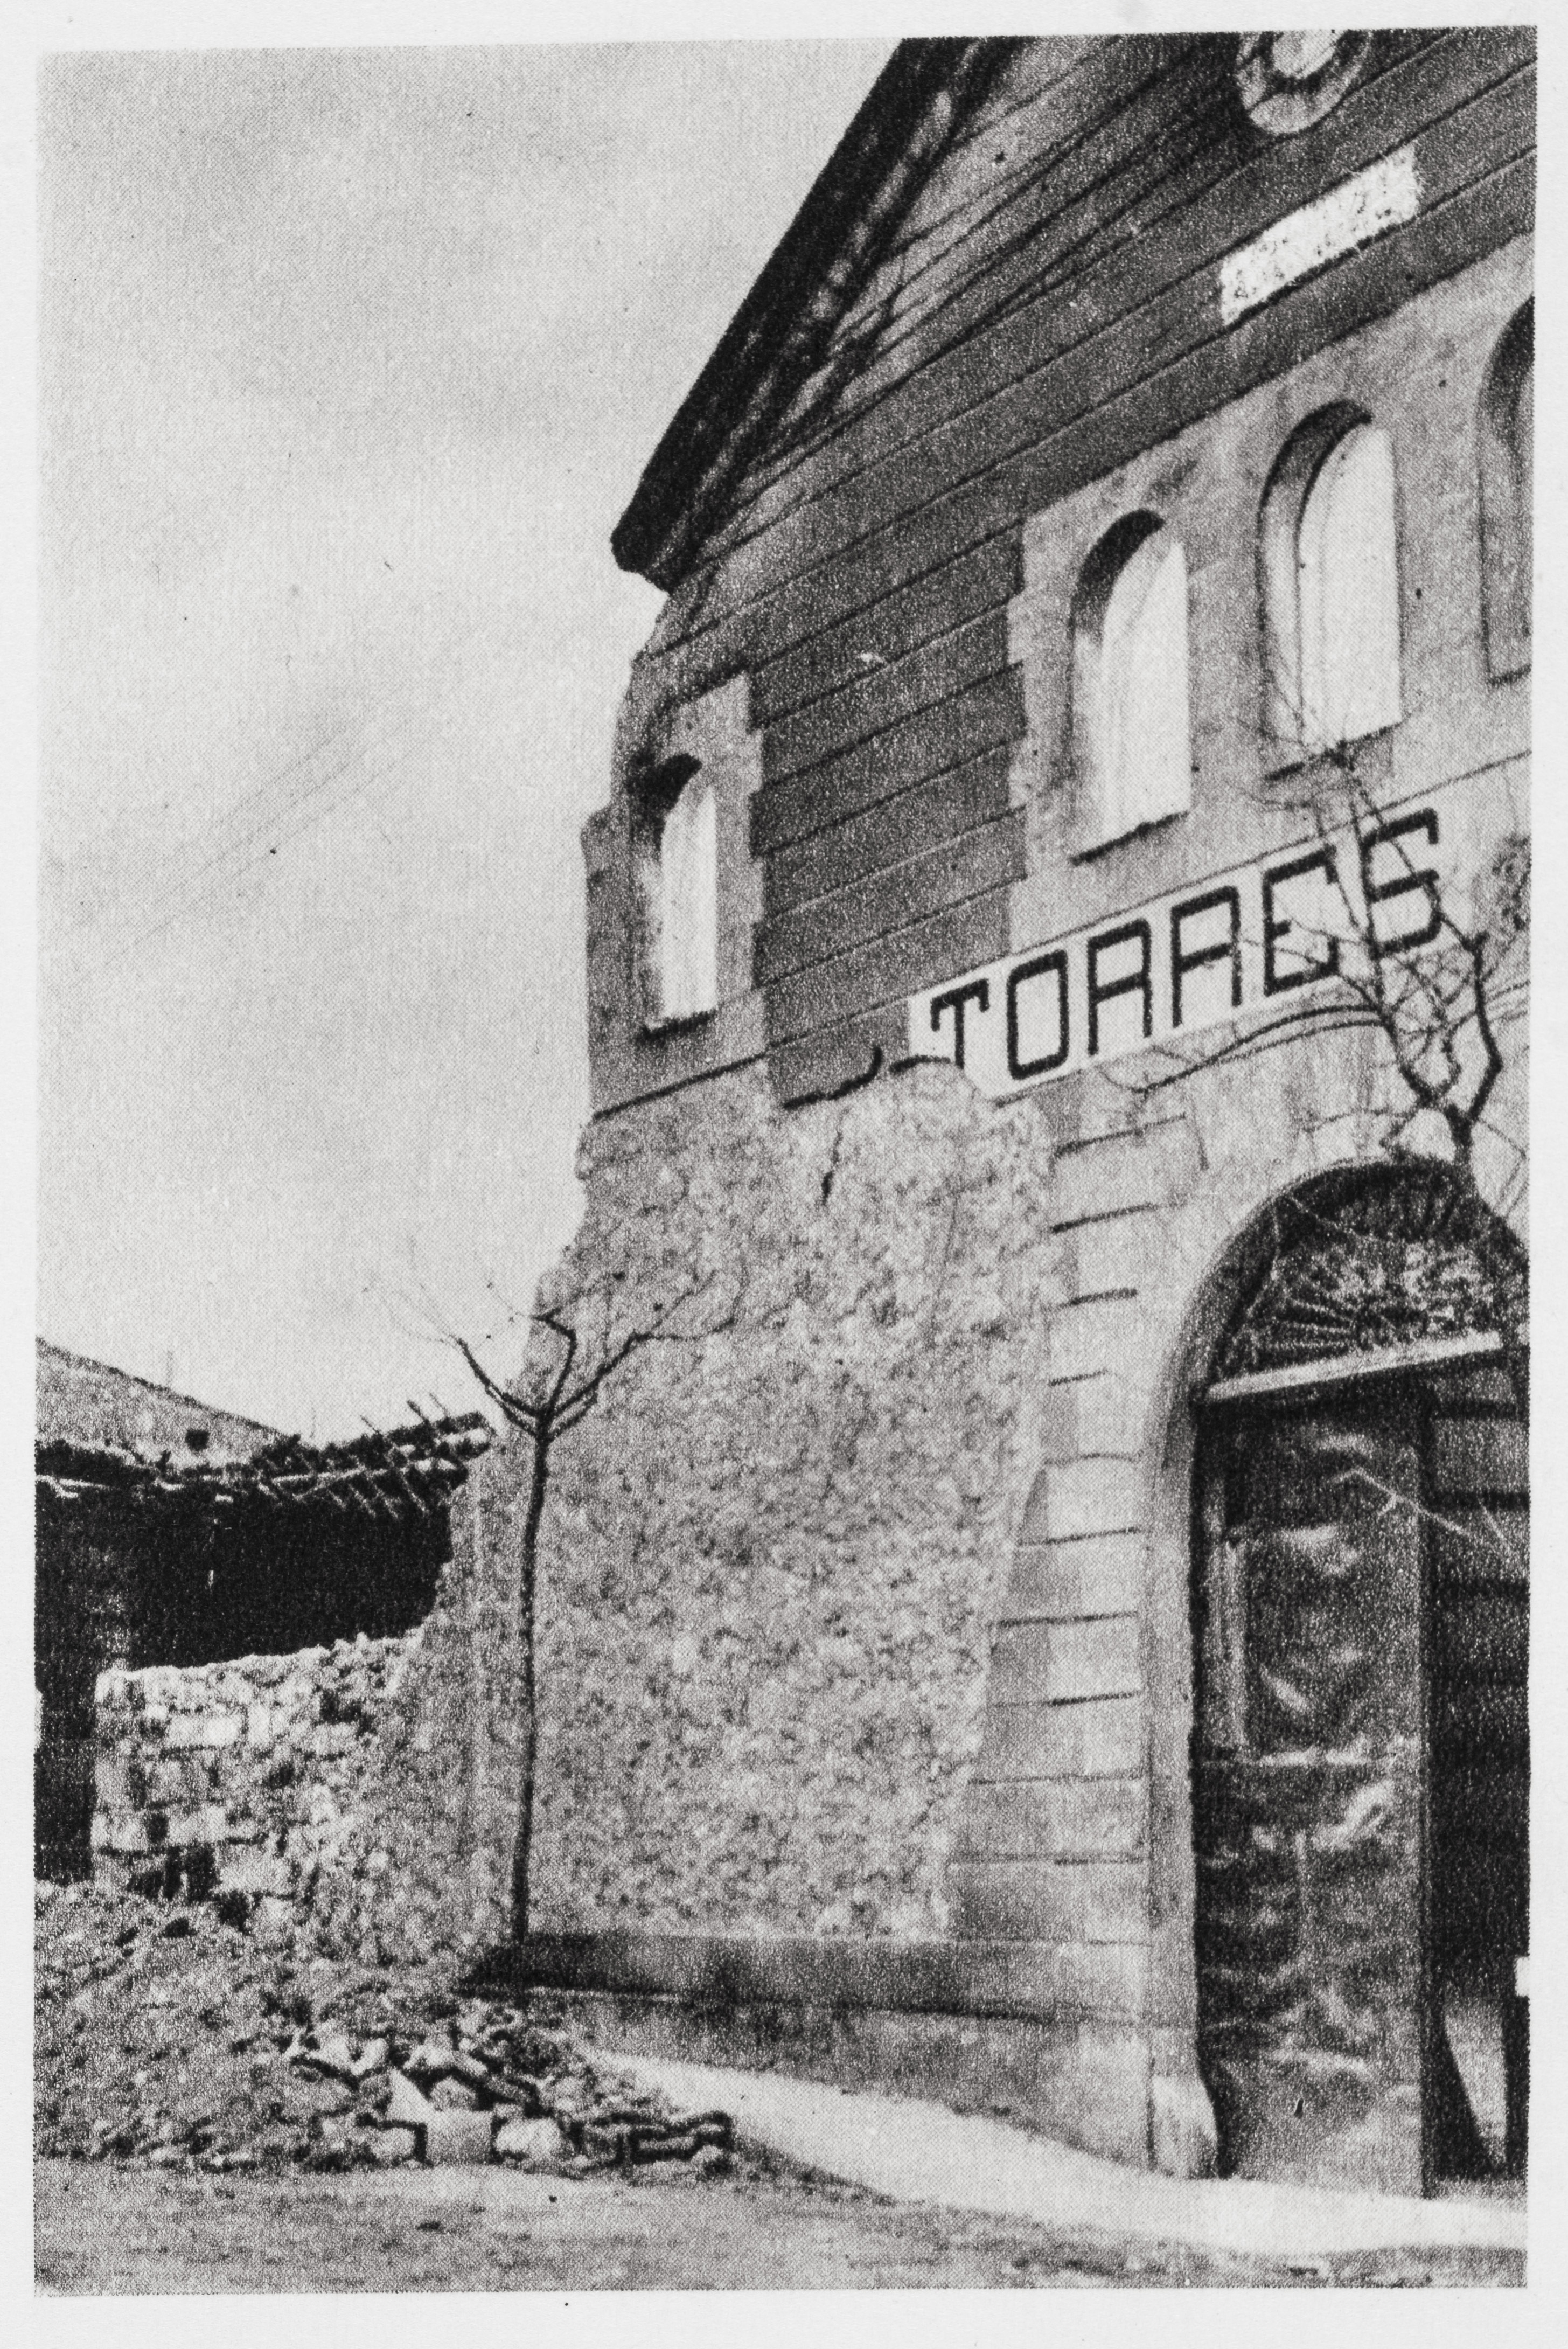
column 1361, row 1774
column 1307, row 1804
column 1479, row 1780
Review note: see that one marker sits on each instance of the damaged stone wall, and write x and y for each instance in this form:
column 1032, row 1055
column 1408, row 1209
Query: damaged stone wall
column 359, row 1799
column 842, row 1581
column 863, row 1625
column 774, row 1554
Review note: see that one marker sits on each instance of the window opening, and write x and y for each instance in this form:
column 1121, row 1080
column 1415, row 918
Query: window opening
column 1131, row 718
column 678, row 869
column 1507, row 492
column 1329, row 565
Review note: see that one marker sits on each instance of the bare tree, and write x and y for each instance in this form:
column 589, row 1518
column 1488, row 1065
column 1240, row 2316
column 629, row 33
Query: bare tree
column 543, row 1409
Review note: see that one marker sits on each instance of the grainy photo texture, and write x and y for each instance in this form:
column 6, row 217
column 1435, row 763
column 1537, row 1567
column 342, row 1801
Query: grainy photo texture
column 858, row 1614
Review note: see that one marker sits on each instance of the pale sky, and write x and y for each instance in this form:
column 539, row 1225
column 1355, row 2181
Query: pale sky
column 349, row 362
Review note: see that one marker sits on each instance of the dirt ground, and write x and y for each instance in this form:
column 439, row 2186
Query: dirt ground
column 100, row 2228
column 206, row 2105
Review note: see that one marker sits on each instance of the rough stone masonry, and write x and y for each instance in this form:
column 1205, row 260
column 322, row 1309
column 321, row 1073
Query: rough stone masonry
column 359, row 1799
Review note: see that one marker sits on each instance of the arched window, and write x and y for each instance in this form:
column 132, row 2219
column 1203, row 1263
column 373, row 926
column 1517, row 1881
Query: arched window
column 676, row 857
column 1131, row 733
column 1330, row 585
column 1507, row 483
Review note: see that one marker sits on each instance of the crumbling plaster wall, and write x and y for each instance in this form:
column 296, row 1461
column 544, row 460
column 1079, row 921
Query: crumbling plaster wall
column 773, row 1555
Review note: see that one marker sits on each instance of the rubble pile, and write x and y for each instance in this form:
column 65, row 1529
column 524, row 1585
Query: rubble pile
column 166, row 2035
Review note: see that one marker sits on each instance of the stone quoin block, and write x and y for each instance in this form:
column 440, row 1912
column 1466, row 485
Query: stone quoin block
column 1099, row 1574
column 1121, row 1171
column 1084, row 1496
column 1110, row 1252
column 1097, row 1657
column 1108, row 1333
column 1104, row 1818
column 1055, row 1818
column 1102, row 1739
column 1111, row 1410
column 1047, row 1900
column 1020, row 1663
column 1059, row 1439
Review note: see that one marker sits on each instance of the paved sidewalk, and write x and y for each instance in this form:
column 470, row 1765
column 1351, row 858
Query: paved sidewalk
column 918, row 2152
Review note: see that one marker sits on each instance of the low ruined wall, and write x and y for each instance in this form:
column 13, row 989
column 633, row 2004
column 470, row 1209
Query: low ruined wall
column 357, row 1798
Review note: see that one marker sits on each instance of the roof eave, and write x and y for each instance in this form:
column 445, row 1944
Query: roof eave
column 779, row 332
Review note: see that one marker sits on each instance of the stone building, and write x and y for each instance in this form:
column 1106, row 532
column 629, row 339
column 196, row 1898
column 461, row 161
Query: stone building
column 171, row 1534
column 1037, row 1614
column 88, row 1403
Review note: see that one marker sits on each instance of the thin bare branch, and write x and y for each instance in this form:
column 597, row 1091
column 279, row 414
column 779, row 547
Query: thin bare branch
column 521, row 1414
column 1393, row 1499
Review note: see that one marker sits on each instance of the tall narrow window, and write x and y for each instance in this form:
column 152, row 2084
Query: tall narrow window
column 1507, row 484
column 1131, row 729
column 1330, row 582
column 677, row 868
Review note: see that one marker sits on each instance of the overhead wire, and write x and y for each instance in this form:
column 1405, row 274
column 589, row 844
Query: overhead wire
column 257, row 791
column 230, row 861
column 372, row 730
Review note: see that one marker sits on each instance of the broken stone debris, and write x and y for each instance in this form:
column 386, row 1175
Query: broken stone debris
column 201, row 2050
column 455, row 2138
column 536, row 2145
column 406, row 2107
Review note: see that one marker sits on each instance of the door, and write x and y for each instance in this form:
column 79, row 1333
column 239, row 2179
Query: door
column 1308, row 1794
column 1361, row 1785
column 1480, row 1782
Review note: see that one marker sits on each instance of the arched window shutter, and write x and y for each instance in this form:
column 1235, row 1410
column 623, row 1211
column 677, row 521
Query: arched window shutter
column 1348, row 593
column 1507, row 485
column 688, row 929
column 1132, row 728
column 1329, row 580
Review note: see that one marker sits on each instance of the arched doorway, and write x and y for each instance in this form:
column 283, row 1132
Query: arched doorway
column 1360, row 1746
